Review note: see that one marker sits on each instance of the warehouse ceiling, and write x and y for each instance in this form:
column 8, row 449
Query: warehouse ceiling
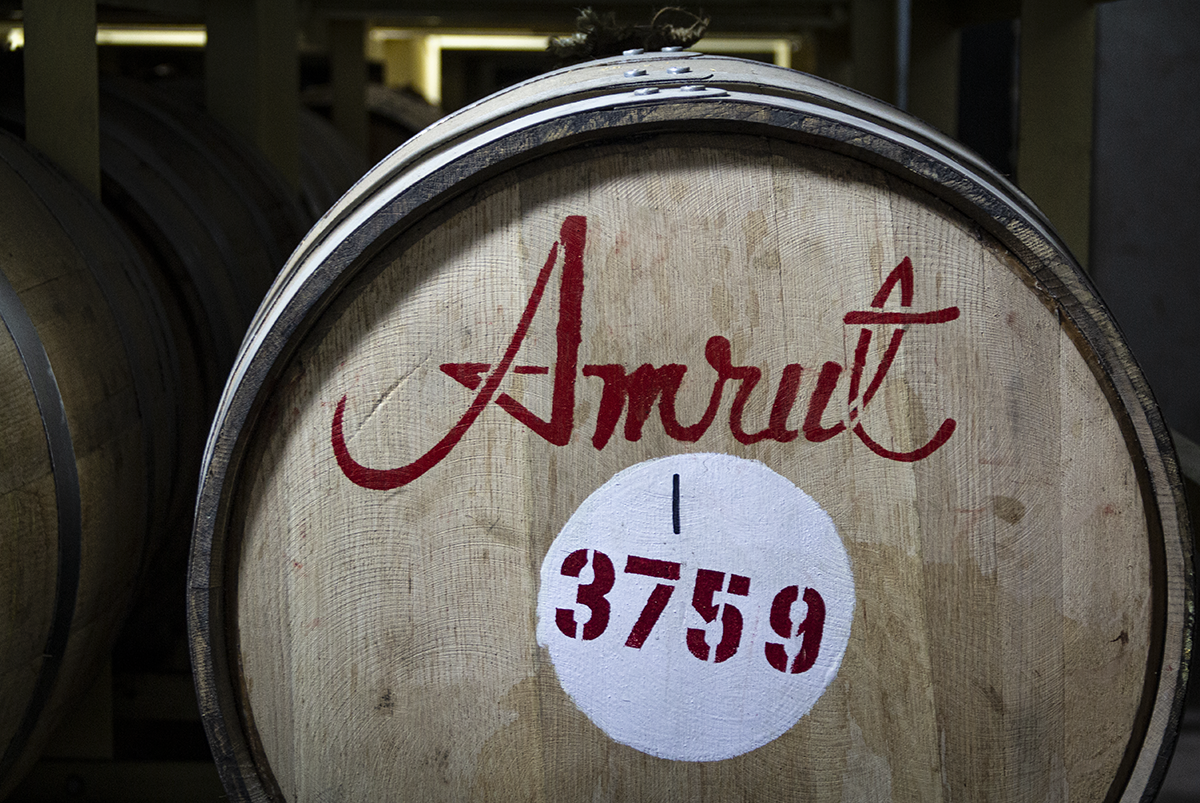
column 764, row 16
column 768, row 15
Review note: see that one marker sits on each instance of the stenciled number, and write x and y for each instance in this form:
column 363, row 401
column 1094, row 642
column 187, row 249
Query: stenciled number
column 709, row 583
column 659, row 597
column 594, row 596
column 810, row 629
column 590, row 594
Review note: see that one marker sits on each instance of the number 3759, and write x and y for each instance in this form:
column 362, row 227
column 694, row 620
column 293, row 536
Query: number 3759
column 708, row 584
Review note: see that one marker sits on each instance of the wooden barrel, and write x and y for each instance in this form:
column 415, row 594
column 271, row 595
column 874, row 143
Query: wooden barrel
column 212, row 219
column 393, row 116
column 329, row 165
column 215, row 221
column 675, row 427
column 121, row 327
column 88, row 402
column 210, row 211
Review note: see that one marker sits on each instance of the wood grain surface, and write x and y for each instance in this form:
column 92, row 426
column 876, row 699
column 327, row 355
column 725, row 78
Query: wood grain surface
column 489, row 369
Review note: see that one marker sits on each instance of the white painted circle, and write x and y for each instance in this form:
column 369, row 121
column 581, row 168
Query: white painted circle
column 659, row 688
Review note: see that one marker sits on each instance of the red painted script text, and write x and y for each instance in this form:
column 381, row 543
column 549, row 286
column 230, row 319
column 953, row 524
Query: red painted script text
column 636, row 393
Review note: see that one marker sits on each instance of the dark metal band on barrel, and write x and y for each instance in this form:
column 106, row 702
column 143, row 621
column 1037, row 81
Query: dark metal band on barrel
column 67, row 501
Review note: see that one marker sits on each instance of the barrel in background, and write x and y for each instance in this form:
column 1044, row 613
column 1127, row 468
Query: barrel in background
column 214, row 214
column 89, row 443
column 702, row 265
column 329, row 166
column 138, row 307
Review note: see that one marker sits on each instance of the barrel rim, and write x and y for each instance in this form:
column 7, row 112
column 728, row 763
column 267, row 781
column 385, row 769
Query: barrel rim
column 461, row 151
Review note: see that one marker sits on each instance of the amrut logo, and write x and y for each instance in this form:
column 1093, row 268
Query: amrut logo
column 635, row 393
